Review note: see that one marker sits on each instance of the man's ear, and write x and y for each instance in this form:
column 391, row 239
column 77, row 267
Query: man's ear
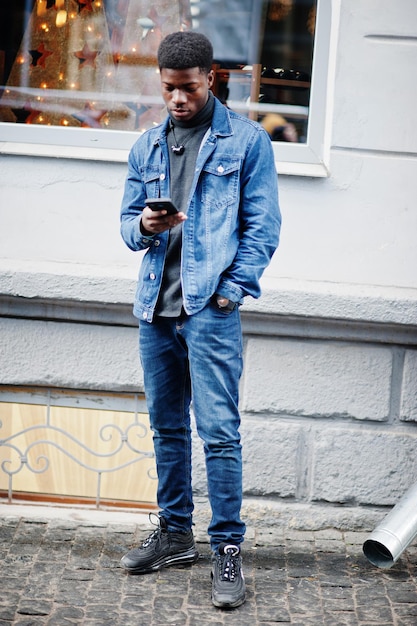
column 210, row 79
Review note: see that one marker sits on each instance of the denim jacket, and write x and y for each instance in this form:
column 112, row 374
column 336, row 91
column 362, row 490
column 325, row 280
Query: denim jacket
column 233, row 214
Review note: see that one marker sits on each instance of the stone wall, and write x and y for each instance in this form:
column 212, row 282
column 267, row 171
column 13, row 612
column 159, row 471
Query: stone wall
column 329, row 419
column 328, row 394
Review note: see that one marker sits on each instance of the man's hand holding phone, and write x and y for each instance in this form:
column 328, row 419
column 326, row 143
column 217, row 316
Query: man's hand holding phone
column 159, row 215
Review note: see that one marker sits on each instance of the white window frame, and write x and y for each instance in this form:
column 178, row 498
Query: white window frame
column 306, row 159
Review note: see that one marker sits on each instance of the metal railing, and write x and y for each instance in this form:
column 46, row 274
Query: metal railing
column 15, row 456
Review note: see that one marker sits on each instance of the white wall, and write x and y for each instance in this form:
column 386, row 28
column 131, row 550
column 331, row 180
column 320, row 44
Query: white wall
column 359, row 225
column 61, row 210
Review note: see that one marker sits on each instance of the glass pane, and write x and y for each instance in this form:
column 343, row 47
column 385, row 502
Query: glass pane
column 92, row 63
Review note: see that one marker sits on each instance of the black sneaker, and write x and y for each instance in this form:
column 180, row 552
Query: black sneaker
column 161, row 549
column 228, row 585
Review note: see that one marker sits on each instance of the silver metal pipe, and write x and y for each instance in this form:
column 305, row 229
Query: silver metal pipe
column 395, row 533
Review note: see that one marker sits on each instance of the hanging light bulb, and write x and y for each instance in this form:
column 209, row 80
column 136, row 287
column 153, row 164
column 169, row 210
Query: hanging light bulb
column 41, row 7
column 61, row 18
column 59, row 4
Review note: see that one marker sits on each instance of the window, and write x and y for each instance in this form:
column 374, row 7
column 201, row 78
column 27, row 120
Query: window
column 81, row 75
column 69, row 446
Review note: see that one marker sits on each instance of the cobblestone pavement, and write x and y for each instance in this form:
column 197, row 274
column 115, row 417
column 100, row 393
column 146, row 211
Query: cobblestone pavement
column 62, row 571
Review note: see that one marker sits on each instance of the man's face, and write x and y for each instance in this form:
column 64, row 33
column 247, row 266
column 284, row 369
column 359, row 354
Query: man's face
column 185, row 92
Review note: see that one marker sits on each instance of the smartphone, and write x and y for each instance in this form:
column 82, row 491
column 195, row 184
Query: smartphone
column 160, row 204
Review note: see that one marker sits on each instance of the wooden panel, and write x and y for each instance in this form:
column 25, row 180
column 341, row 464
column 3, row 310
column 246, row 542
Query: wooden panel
column 63, row 448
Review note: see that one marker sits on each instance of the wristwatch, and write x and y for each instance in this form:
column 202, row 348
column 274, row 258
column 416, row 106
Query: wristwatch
column 224, row 303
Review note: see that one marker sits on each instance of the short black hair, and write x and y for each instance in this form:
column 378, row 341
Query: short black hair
column 185, row 49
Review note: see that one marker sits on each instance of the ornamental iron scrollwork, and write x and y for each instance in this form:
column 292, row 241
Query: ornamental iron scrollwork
column 20, row 457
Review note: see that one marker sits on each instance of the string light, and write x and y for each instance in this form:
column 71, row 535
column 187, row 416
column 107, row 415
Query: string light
column 58, row 30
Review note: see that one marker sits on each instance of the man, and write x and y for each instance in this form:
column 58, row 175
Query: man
column 218, row 169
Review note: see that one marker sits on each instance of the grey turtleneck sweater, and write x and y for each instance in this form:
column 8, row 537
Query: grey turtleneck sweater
column 190, row 135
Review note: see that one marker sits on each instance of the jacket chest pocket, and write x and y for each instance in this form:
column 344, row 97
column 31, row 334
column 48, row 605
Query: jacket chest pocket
column 152, row 178
column 220, row 180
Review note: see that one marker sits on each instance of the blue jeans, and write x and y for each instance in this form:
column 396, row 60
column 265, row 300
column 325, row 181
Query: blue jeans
column 196, row 357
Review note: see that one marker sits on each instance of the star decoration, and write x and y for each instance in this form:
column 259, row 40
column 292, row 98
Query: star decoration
column 26, row 115
column 157, row 19
column 39, row 56
column 150, row 118
column 84, row 5
column 90, row 117
column 138, row 110
column 33, row 116
column 145, row 116
column 21, row 115
column 86, row 56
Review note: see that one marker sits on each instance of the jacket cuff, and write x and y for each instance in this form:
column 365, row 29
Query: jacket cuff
column 231, row 291
column 144, row 238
